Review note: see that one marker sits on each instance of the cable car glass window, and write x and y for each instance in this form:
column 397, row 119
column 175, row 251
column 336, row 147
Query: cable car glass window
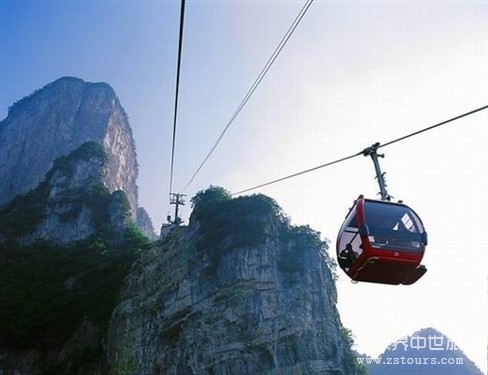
column 393, row 226
column 350, row 234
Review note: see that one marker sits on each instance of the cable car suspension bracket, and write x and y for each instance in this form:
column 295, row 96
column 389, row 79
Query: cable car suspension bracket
column 372, row 151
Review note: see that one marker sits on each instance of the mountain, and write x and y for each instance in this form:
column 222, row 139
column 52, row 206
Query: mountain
column 68, row 234
column 65, row 248
column 238, row 291
column 82, row 291
column 55, row 121
column 425, row 352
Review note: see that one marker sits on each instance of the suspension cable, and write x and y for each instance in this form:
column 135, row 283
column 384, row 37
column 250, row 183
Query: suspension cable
column 298, row 173
column 255, row 85
column 433, row 126
column 180, row 47
column 359, row 153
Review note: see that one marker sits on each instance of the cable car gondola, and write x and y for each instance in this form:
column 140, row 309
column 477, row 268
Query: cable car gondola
column 381, row 241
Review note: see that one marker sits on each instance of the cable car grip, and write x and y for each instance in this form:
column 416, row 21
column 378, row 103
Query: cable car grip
column 372, row 151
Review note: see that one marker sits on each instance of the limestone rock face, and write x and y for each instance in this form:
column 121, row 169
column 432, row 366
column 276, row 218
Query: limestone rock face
column 72, row 202
column 144, row 223
column 255, row 302
column 56, row 120
column 53, row 122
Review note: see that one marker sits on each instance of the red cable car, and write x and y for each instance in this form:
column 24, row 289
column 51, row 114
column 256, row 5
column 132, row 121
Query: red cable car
column 381, row 241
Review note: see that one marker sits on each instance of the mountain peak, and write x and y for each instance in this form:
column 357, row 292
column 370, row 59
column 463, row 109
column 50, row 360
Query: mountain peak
column 67, row 79
column 425, row 352
column 69, row 86
column 54, row 121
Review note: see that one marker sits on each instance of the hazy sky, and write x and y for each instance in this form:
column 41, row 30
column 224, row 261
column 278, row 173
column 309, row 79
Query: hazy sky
column 354, row 73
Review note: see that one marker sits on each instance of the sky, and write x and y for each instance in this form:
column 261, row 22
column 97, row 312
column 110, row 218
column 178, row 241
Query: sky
column 353, row 73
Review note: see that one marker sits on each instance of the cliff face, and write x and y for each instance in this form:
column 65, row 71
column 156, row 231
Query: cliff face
column 56, row 120
column 144, row 223
column 68, row 216
column 70, row 205
column 239, row 291
column 66, row 247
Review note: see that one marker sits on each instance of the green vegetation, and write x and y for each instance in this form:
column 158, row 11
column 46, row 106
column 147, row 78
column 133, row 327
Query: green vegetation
column 97, row 198
column 206, row 197
column 47, row 292
column 85, row 152
column 230, row 223
column 348, row 337
column 133, row 237
column 23, row 213
column 226, row 224
column 359, row 368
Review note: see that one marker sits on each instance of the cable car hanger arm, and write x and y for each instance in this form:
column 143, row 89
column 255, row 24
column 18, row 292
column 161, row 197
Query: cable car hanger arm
column 372, row 151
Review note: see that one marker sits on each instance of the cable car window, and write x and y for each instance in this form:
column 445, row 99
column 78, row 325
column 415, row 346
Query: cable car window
column 350, row 235
column 393, row 226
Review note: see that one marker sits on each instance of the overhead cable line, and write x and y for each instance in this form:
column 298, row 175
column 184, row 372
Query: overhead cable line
column 178, row 68
column 359, row 153
column 255, row 85
column 298, row 173
column 433, row 126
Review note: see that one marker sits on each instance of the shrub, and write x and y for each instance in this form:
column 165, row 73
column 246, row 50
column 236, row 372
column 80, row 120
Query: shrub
column 24, row 212
column 46, row 291
column 242, row 221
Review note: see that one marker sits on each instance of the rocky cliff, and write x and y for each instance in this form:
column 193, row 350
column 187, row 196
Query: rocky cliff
column 144, row 223
column 65, row 248
column 56, row 120
column 71, row 204
column 238, row 291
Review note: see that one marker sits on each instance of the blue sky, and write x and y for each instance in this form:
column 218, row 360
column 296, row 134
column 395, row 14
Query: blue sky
column 353, row 73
